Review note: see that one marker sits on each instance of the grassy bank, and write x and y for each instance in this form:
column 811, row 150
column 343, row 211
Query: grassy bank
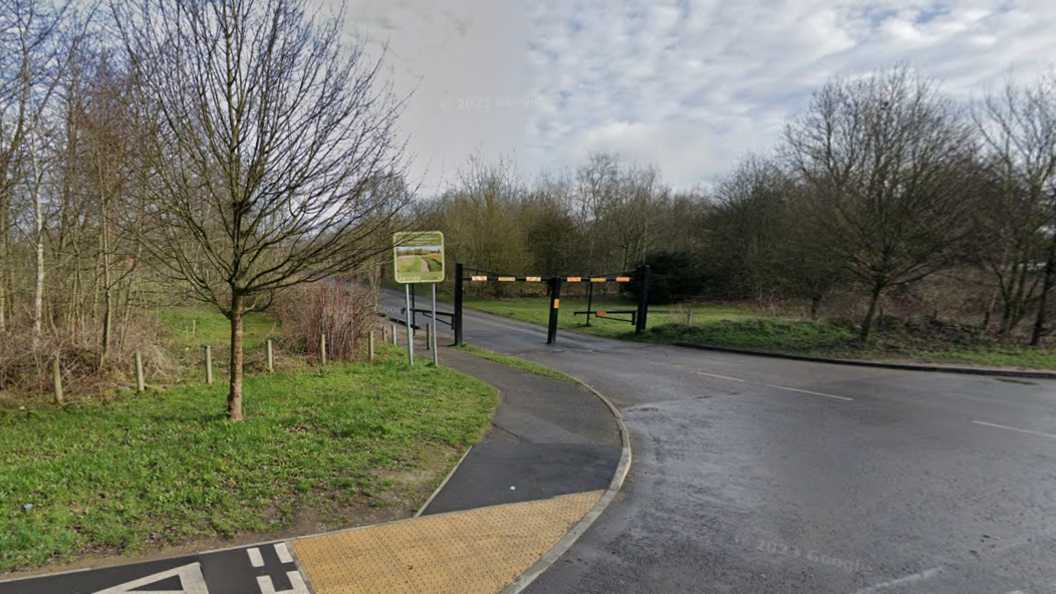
column 536, row 311
column 745, row 328
column 136, row 473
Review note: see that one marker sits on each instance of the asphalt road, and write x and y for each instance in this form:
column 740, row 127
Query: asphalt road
column 757, row 475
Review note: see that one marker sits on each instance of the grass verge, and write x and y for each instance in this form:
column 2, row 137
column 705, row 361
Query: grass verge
column 136, row 473
column 517, row 363
column 926, row 341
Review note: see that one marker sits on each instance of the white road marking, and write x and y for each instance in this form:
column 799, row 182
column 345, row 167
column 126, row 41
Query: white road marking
column 268, row 587
column 255, row 557
column 283, row 553
column 191, row 580
column 1027, row 431
column 844, row 398
column 916, row 577
column 725, row 377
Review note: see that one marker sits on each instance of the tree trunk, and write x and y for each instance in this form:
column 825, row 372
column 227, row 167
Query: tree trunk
column 234, row 397
column 108, row 290
column 870, row 314
column 1046, row 288
column 38, row 213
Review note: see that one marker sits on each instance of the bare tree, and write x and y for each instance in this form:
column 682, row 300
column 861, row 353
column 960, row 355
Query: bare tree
column 275, row 146
column 883, row 158
column 1018, row 127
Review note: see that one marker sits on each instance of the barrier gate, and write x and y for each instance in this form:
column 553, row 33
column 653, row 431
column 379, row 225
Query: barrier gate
column 638, row 316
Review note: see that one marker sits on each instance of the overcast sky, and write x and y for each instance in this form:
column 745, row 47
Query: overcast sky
column 687, row 85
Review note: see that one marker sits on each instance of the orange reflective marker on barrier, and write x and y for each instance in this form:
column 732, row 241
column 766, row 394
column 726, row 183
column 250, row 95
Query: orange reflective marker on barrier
column 557, row 303
column 601, row 313
column 482, row 279
column 574, row 279
column 534, row 279
column 623, row 279
column 598, row 279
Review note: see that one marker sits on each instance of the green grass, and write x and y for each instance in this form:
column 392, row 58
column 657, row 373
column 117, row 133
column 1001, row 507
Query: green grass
column 535, row 310
column 745, row 328
column 137, row 472
column 517, row 363
column 198, row 326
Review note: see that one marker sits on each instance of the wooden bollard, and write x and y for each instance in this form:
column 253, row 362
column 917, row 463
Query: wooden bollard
column 140, row 386
column 394, row 334
column 322, row 349
column 271, row 357
column 57, row 380
column 208, row 365
column 370, row 342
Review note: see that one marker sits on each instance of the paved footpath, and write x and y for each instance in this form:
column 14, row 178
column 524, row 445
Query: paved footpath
column 551, row 454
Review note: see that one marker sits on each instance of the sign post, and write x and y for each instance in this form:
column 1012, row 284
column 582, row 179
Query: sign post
column 418, row 257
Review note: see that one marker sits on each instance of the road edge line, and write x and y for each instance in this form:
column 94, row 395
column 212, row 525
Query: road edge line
column 442, row 484
column 982, row 371
column 562, row 546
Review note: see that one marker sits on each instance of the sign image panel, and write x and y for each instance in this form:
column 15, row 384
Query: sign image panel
column 418, row 257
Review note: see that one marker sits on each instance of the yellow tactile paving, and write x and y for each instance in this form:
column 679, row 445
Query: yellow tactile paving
column 477, row 551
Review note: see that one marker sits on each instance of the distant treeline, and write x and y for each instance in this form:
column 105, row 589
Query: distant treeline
column 884, row 196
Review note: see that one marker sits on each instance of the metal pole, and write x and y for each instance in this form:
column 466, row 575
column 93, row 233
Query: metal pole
column 208, row 365
column 555, row 303
column 456, row 320
column 407, row 318
column 643, row 300
column 436, row 359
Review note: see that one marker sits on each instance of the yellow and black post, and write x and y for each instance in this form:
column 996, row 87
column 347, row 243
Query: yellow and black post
column 555, row 303
column 643, row 300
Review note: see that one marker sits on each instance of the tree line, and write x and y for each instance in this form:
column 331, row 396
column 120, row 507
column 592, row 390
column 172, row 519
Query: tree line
column 162, row 150
column 884, row 190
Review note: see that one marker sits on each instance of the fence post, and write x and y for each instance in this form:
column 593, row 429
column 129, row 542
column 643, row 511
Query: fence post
column 57, row 379
column 689, row 318
column 208, row 365
column 643, row 300
column 140, row 387
column 393, row 335
column 457, row 318
column 322, row 349
column 371, row 342
column 271, row 357
column 555, row 304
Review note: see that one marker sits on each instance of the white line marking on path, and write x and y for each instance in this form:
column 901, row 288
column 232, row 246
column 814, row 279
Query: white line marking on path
column 255, row 557
column 1027, row 431
column 844, row 398
column 909, row 579
column 725, row 377
column 283, row 553
column 268, row 587
column 191, row 582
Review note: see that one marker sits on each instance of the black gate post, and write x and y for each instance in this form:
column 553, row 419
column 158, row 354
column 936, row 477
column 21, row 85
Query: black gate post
column 555, row 303
column 456, row 321
column 643, row 299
